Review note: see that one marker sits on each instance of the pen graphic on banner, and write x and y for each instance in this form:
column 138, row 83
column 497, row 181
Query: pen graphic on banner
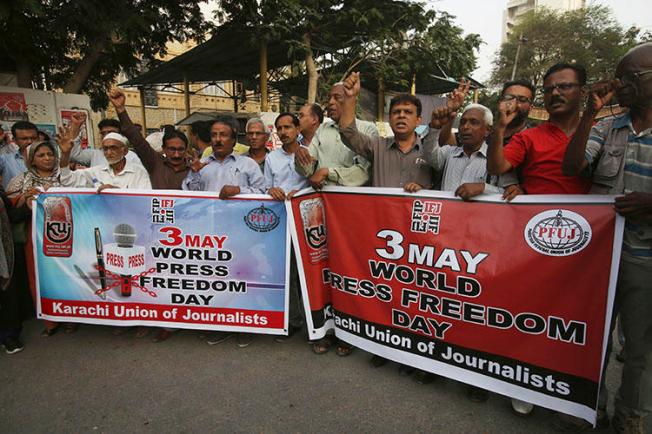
column 100, row 258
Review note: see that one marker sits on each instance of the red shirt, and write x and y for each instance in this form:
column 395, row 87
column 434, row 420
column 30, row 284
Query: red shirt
column 538, row 154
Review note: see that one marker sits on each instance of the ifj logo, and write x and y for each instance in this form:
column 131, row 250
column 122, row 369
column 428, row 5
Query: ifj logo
column 558, row 232
column 261, row 219
column 57, row 227
column 313, row 217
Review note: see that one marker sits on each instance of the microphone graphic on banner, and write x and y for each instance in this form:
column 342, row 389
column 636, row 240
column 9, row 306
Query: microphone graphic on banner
column 123, row 258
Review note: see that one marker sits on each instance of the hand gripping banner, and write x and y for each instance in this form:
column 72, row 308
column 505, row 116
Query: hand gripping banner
column 515, row 298
column 162, row 258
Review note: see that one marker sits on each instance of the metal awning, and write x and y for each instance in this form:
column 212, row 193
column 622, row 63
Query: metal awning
column 233, row 53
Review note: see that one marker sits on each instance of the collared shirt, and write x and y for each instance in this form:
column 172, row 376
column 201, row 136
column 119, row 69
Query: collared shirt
column 7, row 148
column 391, row 167
column 280, row 172
column 11, row 165
column 238, row 149
column 345, row 167
column 261, row 164
column 459, row 168
column 233, row 170
column 538, row 153
column 132, row 176
column 161, row 173
column 621, row 162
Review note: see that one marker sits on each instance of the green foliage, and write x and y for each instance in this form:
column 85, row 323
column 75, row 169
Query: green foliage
column 590, row 37
column 391, row 39
column 83, row 45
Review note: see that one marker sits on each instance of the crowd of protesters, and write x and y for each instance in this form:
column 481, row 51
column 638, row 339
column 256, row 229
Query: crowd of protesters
column 492, row 153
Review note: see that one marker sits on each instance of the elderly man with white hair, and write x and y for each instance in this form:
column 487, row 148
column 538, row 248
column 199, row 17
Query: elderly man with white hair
column 117, row 173
column 465, row 167
column 257, row 135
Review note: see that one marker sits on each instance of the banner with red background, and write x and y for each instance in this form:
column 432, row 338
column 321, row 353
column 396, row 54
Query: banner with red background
column 515, row 298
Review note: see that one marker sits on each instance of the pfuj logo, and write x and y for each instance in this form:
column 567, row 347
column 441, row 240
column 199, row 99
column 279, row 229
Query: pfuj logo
column 313, row 217
column 261, row 219
column 58, row 227
column 558, row 232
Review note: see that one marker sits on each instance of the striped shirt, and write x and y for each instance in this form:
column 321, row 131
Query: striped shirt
column 621, row 162
column 459, row 168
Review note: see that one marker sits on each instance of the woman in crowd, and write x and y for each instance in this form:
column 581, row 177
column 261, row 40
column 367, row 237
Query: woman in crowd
column 42, row 162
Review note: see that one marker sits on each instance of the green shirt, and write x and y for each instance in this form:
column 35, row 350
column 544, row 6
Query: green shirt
column 345, row 167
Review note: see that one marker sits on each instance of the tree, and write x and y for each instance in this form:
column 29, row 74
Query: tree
column 397, row 38
column 81, row 46
column 589, row 36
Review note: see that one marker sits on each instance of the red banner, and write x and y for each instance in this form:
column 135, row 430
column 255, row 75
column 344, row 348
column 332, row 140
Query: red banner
column 515, row 298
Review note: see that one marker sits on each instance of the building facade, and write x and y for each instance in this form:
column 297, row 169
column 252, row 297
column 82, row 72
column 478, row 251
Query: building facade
column 516, row 8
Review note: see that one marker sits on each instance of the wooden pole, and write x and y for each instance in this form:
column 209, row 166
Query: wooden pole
column 141, row 91
column 234, row 85
column 413, row 88
column 186, row 94
column 380, row 103
column 263, row 77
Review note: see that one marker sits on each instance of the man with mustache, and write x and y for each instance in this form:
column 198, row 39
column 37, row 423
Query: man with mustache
column 538, row 152
column 396, row 160
column 224, row 170
column 166, row 171
column 617, row 152
column 326, row 161
column 258, row 135
column 281, row 182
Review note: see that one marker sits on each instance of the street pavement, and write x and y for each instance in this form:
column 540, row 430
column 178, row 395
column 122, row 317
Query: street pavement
column 92, row 381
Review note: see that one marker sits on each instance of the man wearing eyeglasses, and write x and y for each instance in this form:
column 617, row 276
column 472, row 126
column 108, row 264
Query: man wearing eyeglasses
column 617, row 152
column 166, row 171
column 257, row 135
column 538, row 152
column 521, row 92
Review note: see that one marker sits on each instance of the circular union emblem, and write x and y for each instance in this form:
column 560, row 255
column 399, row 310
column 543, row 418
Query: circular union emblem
column 261, row 219
column 558, row 232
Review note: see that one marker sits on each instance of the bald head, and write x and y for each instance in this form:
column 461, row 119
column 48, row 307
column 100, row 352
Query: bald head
column 335, row 100
column 637, row 59
column 635, row 73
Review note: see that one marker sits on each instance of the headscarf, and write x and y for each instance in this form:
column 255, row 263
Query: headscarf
column 31, row 178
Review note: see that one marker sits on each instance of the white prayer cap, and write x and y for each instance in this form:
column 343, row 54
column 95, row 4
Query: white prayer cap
column 116, row 136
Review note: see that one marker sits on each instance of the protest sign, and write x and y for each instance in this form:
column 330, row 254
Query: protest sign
column 162, row 258
column 514, row 298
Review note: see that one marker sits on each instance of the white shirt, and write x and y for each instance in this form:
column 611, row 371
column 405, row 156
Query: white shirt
column 132, row 176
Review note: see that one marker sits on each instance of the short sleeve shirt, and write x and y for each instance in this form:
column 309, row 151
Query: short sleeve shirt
column 538, row 153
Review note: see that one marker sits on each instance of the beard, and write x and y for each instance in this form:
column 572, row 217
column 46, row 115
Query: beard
column 115, row 160
column 521, row 116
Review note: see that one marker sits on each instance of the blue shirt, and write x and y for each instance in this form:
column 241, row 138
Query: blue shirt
column 280, row 172
column 233, row 170
column 11, row 165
